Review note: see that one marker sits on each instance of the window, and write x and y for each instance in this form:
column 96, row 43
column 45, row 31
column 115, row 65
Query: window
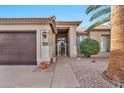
column 105, row 43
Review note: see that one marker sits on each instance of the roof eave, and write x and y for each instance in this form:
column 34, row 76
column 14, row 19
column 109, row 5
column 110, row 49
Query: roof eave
column 68, row 23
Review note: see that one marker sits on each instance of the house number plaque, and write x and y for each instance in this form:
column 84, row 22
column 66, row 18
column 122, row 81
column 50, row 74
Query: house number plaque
column 45, row 43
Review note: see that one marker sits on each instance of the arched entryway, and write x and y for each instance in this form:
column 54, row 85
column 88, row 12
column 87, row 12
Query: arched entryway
column 61, row 48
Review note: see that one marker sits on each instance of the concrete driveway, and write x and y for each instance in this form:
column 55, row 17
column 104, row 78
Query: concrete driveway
column 58, row 75
column 24, row 76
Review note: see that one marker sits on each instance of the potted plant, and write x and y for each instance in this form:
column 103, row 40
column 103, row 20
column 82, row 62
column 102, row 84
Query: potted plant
column 43, row 66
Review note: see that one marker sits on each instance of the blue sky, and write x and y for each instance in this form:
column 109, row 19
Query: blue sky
column 64, row 12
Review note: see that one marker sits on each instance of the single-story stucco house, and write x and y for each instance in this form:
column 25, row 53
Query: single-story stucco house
column 28, row 41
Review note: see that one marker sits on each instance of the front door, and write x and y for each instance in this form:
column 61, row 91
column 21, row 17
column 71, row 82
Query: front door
column 61, row 48
column 62, row 42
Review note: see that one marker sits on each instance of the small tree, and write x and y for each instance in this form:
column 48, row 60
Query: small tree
column 89, row 47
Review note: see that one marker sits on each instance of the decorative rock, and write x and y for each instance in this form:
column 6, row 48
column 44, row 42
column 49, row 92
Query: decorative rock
column 89, row 74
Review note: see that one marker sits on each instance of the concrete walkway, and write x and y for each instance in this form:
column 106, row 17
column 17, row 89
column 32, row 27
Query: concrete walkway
column 63, row 76
column 59, row 75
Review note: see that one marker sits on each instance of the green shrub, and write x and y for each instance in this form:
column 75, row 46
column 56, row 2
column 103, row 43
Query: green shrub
column 89, row 47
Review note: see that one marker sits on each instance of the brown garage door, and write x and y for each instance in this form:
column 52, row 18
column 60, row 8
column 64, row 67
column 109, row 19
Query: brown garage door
column 17, row 48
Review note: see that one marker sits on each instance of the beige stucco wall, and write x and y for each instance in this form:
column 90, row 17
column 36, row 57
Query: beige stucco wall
column 24, row 27
column 51, row 42
column 72, row 42
column 97, row 35
column 43, row 53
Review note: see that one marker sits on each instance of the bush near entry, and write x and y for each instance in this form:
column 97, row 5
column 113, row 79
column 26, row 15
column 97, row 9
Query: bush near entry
column 89, row 47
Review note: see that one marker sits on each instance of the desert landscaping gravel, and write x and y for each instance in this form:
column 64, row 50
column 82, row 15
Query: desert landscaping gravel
column 89, row 71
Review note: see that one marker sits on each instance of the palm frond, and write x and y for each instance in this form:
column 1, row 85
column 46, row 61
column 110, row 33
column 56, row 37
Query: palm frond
column 92, row 8
column 100, row 13
column 100, row 22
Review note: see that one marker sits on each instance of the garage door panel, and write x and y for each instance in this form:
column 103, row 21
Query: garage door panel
column 18, row 48
column 21, row 52
column 17, row 63
column 24, row 45
column 17, row 52
column 17, row 56
column 5, row 55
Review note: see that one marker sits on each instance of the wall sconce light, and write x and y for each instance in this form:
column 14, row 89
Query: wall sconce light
column 44, row 34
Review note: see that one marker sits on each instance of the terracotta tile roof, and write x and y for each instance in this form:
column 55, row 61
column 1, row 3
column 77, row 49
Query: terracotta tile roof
column 102, row 27
column 25, row 20
column 80, row 30
column 35, row 20
column 99, row 28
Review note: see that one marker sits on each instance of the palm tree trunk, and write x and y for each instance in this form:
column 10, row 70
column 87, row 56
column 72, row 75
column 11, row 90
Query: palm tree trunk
column 115, row 69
